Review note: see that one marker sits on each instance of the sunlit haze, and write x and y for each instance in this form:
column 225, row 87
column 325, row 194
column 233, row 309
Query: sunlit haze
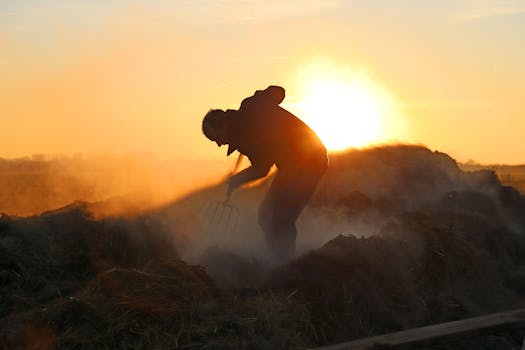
column 117, row 77
column 346, row 109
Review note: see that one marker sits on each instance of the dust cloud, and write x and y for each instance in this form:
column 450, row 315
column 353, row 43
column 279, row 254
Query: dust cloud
column 114, row 185
column 365, row 193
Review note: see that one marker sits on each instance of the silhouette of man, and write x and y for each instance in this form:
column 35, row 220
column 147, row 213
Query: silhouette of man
column 268, row 134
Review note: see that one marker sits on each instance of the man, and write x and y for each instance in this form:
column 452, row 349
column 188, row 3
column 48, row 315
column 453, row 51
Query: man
column 268, row 134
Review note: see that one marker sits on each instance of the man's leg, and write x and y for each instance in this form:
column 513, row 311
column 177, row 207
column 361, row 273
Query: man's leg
column 281, row 238
column 275, row 220
column 286, row 199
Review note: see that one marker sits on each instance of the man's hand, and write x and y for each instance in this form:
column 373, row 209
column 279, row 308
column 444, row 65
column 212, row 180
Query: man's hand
column 249, row 174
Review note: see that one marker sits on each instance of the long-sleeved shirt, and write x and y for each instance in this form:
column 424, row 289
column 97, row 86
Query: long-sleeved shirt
column 268, row 134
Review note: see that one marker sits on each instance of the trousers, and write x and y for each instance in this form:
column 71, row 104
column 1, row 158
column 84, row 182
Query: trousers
column 286, row 198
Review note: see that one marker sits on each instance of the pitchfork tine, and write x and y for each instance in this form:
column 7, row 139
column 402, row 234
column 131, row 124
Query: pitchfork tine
column 223, row 215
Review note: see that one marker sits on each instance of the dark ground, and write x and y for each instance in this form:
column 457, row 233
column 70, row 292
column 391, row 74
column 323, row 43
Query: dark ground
column 448, row 244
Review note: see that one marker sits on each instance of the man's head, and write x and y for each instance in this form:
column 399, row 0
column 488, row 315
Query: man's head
column 215, row 126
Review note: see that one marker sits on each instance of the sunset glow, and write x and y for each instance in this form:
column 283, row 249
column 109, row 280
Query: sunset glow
column 97, row 77
column 345, row 106
column 342, row 114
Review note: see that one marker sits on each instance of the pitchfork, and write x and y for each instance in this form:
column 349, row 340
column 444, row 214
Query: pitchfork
column 222, row 215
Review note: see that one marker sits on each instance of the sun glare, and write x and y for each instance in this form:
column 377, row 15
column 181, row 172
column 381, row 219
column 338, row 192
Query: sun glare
column 343, row 115
column 344, row 110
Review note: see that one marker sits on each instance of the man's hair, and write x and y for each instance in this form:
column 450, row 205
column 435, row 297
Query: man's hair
column 214, row 118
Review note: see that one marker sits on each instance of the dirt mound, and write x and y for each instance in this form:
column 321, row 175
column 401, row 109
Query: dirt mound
column 408, row 173
column 423, row 268
column 43, row 258
column 56, row 254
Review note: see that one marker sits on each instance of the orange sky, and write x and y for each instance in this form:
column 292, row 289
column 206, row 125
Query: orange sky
column 116, row 77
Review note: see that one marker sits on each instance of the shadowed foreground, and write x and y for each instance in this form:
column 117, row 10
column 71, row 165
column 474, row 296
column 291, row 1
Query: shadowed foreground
column 426, row 243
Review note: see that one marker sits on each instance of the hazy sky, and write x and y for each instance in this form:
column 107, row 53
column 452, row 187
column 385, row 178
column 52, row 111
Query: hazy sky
column 111, row 76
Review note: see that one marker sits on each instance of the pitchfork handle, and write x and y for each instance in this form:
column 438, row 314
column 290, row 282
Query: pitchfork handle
column 228, row 195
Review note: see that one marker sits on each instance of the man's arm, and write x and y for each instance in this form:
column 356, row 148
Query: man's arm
column 254, row 172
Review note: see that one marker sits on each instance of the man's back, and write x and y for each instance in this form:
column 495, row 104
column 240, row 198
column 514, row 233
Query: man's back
column 265, row 132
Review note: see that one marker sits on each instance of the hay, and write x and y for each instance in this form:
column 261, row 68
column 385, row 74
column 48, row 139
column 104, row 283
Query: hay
column 163, row 287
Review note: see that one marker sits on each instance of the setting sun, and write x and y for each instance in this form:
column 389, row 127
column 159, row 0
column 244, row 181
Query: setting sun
column 346, row 109
column 342, row 114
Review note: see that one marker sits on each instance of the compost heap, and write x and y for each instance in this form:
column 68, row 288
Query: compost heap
column 426, row 243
